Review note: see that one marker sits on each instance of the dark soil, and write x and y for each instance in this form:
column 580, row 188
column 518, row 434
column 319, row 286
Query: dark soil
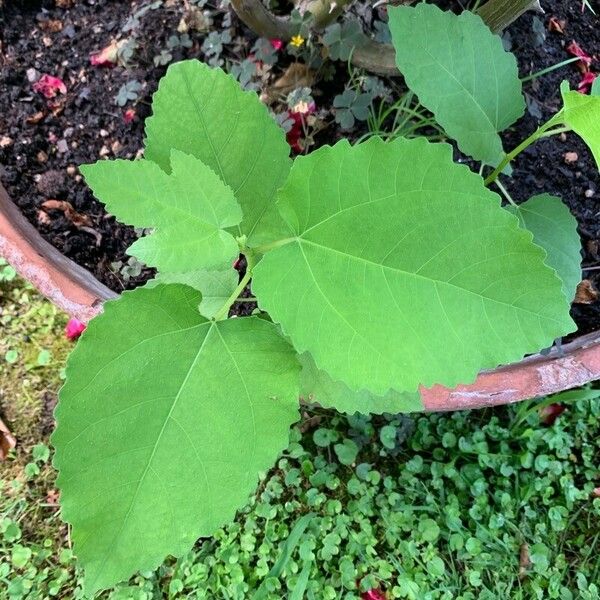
column 43, row 141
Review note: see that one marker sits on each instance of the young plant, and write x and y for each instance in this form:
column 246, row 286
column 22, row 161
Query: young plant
column 378, row 268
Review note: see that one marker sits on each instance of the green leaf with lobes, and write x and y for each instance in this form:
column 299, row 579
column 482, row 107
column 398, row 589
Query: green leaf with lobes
column 189, row 210
column 203, row 111
column 460, row 71
column 401, row 269
column 582, row 114
column 215, row 286
column 318, row 386
column 164, row 422
column 554, row 228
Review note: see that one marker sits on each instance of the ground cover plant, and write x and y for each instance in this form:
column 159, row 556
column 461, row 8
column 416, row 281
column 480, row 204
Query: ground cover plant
column 377, row 268
column 498, row 503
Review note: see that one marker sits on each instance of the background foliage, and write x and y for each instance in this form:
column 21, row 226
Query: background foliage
column 439, row 506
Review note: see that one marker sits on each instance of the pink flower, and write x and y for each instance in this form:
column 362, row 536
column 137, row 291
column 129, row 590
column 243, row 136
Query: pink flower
column 49, row 86
column 74, row 329
column 107, row 57
column 129, row 115
column 277, row 44
column 586, row 82
column 373, row 595
column 585, row 59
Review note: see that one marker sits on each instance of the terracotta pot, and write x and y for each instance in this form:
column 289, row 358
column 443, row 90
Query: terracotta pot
column 78, row 293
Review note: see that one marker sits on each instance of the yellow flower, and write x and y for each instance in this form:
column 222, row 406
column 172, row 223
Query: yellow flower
column 297, row 41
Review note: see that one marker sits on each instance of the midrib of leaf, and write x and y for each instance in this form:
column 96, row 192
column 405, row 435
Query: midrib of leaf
column 300, row 241
column 202, row 121
column 469, row 93
column 156, row 444
column 205, row 128
column 237, row 368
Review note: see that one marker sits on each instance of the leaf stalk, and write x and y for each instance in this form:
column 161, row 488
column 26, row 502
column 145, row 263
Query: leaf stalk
column 544, row 130
column 224, row 310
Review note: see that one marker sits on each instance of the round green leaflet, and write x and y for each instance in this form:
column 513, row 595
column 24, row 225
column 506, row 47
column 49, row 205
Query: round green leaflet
column 401, row 269
column 164, row 422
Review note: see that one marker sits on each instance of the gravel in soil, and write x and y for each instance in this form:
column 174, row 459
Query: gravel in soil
column 42, row 141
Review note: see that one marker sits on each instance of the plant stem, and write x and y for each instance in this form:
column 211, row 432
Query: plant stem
column 549, row 69
column 224, row 310
column 542, row 131
column 505, row 192
column 248, row 299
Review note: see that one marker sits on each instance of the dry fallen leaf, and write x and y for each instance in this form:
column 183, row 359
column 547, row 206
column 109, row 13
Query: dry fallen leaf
column 35, row 119
column 7, row 441
column 557, row 25
column 295, row 76
column 51, row 25
column 524, row 560
column 586, row 293
column 76, row 218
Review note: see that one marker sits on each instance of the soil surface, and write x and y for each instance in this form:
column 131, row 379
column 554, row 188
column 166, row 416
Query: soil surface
column 42, row 141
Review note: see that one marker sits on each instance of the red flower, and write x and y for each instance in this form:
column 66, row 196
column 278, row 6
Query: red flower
column 49, row 86
column 74, row 329
column 277, row 44
column 549, row 414
column 297, row 130
column 585, row 59
column 107, row 57
column 373, row 595
column 586, row 82
column 129, row 115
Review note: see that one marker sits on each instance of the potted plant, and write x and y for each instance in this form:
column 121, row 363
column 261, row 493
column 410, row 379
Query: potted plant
column 382, row 272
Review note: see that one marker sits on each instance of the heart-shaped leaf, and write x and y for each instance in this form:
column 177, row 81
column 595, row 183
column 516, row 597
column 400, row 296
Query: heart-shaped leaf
column 460, row 71
column 164, row 422
column 401, row 269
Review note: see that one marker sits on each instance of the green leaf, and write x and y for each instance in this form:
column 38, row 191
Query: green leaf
column 215, row 286
column 318, row 386
column 401, row 269
column 461, row 73
column 582, row 114
column 163, row 425
column 189, row 210
column 203, row 112
column 554, row 228
column 346, row 452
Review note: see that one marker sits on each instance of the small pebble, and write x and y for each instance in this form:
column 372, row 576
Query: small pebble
column 32, row 75
column 571, row 157
column 589, row 193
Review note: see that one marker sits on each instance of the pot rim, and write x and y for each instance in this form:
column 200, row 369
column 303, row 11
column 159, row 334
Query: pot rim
column 76, row 291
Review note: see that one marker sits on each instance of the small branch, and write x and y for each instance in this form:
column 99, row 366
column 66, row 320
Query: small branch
column 262, row 21
column 323, row 14
column 375, row 57
column 499, row 14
